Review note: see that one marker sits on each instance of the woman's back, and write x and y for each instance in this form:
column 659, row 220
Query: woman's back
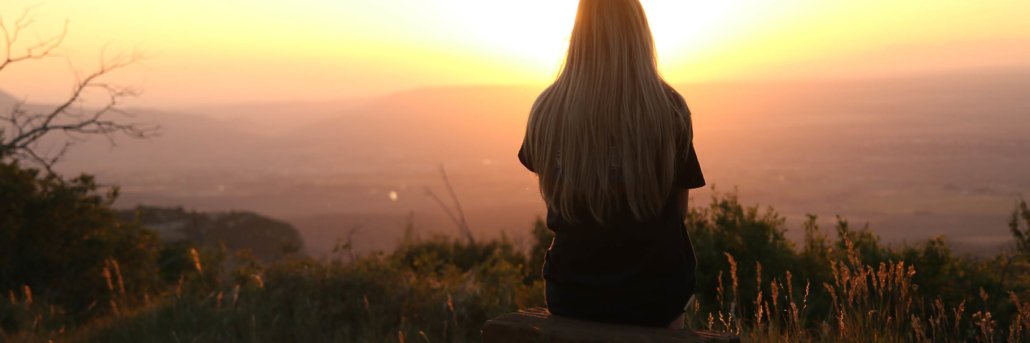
column 611, row 143
column 629, row 271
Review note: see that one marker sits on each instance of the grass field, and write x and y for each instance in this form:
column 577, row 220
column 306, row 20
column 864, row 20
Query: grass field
column 752, row 281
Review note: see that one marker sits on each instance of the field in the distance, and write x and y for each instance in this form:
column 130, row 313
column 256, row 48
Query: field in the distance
column 915, row 157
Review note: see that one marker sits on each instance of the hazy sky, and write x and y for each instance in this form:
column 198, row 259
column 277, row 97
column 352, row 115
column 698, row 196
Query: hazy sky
column 224, row 51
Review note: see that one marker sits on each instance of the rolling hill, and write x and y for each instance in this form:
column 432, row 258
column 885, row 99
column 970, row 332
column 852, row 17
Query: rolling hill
column 915, row 157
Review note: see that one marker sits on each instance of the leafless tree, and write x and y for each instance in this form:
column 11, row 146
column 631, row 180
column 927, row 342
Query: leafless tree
column 28, row 124
column 458, row 217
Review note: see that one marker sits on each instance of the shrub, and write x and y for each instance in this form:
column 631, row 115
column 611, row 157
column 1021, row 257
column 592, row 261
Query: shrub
column 60, row 241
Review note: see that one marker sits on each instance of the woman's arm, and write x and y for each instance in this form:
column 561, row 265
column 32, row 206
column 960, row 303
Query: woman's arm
column 682, row 196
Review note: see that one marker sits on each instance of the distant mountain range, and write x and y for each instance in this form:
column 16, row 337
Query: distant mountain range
column 6, row 100
column 915, row 157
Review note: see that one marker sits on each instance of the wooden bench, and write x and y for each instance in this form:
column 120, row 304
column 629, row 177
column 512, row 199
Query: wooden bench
column 538, row 325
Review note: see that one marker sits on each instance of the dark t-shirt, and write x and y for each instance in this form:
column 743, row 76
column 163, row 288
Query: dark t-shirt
column 629, row 271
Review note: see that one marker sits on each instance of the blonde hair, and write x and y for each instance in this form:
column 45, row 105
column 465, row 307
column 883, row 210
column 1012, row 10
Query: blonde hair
column 605, row 133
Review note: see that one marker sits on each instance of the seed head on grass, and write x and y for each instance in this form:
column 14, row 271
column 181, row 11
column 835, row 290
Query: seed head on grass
column 720, row 290
column 107, row 276
column 118, row 274
column 958, row 315
column 178, row 287
column 917, row 326
column 114, row 308
column 196, row 260
column 736, row 293
column 260, row 282
column 985, row 324
column 28, row 295
column 758, row 299
column 235, row 295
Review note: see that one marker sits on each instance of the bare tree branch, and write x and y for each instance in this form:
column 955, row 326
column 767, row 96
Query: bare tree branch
column 70, row 116
column 43, row 47
column 457, row 204
column 450, row 214
column 459, row 218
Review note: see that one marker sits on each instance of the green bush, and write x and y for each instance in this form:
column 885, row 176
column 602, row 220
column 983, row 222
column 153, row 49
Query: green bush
column 59, row 237
column 415, row 292
column 61, row 243
column 749, row 275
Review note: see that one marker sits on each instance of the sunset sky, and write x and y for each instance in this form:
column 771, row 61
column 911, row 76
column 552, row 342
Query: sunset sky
column 227, row 51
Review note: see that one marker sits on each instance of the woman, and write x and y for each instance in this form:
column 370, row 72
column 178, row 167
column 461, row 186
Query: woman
column 611, row 144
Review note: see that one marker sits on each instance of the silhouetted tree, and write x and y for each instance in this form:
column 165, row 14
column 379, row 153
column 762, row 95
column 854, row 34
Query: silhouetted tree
column 60, row 239
column 23, row 127
column 1020, row 226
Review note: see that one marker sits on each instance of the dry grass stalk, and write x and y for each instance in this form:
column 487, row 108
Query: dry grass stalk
column 114, row 308
column 985, row 324
column 196, row 260
column 867, row 299
column 734, row 316
column 774, row 290
column 178, row 287
column 260, row 282
column 758, row 311
column 958, row 316
column 758, row 299
column 107, row 276
column 917, row 326
column 28, row 295
column 1021, row 324
column 720, row 290
column 235, row 295
column 118, row 273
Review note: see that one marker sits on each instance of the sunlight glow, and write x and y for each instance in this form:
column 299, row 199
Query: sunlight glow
column 536, row 32
column 248, row 50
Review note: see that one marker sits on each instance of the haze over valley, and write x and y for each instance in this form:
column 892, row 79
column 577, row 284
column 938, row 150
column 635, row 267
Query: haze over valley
column 916, row 157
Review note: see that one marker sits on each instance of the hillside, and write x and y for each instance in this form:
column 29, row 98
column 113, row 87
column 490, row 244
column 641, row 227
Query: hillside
column 914, row 157
column 266, row 238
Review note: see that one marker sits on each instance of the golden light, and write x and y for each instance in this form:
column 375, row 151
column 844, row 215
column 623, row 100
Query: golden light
column 535, row 32
column 250, row 50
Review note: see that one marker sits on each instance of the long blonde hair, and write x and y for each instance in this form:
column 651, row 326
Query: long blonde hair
column 605, row 133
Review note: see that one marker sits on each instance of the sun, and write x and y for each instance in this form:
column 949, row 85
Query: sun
column 533, row 29
column 536, row 32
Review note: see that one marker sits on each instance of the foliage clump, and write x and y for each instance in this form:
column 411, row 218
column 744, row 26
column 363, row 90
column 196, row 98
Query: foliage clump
column 755, row 282
column 72, row 271
column 62, row 245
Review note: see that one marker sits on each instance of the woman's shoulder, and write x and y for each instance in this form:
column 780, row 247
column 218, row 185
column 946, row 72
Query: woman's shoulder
column 676, row 98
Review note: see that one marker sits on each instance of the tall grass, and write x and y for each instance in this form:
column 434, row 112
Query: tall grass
column 437, row 290
column 869, row 304
column 752, row 282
